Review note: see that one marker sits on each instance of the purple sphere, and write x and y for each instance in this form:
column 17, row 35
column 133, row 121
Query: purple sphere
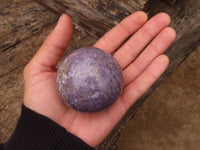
column 89, row 80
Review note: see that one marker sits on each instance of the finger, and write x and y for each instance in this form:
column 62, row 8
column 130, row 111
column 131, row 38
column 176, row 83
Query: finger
column 55, row 44
column 133, row 47
column 116, row 36
column 154, row 49
column 138, row 87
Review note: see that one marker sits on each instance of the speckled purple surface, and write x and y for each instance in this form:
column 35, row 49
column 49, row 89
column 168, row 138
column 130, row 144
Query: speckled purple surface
column 89, row 80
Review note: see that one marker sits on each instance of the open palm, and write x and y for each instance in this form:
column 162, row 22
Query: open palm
column 140, row 57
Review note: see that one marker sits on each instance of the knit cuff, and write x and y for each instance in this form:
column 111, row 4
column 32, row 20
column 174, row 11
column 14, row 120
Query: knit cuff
column 35, row 131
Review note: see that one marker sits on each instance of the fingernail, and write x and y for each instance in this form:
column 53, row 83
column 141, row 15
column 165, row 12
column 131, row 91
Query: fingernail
column 60, row 19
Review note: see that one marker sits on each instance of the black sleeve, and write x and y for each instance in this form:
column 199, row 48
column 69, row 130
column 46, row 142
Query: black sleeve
column 37, row 132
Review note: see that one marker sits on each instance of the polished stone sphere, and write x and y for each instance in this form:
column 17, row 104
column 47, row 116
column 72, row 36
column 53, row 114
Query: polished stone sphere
column 89, row 79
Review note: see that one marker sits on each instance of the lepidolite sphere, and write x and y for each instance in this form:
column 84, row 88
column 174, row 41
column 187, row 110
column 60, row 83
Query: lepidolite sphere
column 89, row 79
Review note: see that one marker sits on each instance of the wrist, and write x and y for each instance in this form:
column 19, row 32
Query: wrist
column 39, row 132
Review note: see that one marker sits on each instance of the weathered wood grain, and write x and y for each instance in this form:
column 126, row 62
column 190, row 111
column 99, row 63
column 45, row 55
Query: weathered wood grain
column 32, row 18
column 170, row 1
column 19, row 21
column 96, row 17
column 185, row 18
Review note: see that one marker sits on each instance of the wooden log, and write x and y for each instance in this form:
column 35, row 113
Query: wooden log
column 170, row 1
column 97, row 17
column 19, row 21
column 94, row 16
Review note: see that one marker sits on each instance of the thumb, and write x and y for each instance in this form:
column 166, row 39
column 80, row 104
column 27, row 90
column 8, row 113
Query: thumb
column 55, row 44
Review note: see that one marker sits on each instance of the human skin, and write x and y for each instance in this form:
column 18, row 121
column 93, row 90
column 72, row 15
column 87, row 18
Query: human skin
column 140, row 57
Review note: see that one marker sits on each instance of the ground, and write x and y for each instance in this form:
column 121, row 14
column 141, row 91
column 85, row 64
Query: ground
column 170, row 118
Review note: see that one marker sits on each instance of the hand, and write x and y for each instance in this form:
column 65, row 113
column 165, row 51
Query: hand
column 140, row 57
